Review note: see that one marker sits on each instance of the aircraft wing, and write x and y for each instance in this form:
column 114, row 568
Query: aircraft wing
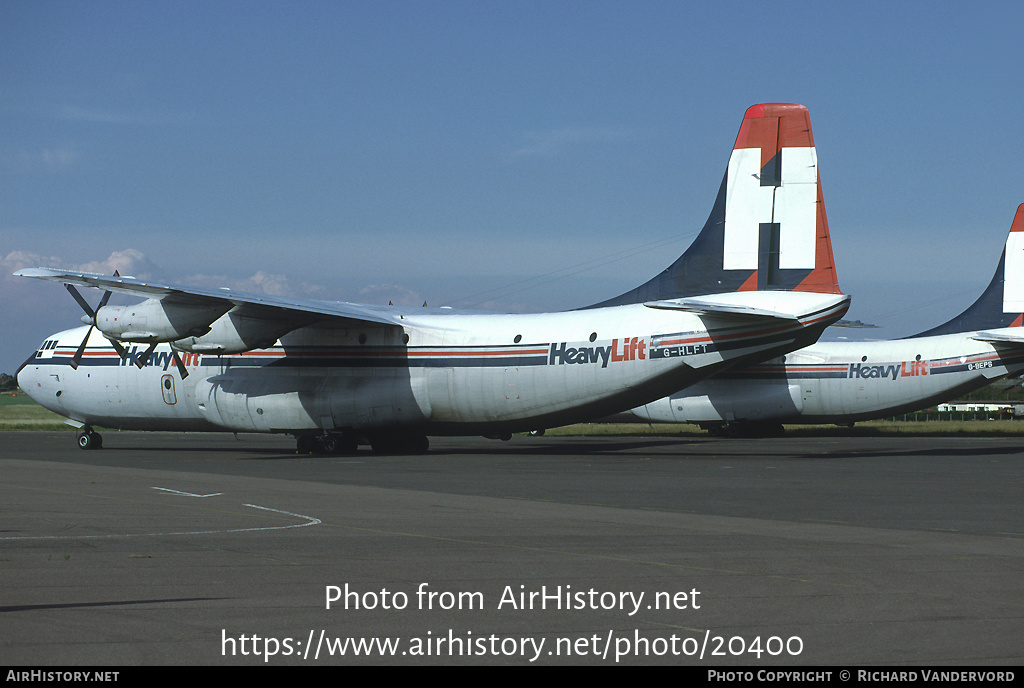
column 254, row 304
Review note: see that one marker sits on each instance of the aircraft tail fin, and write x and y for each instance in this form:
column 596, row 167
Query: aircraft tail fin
column 767, row 229
column 1002, row 302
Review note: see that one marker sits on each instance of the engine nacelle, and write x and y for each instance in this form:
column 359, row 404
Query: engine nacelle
column 156, row 320
column 236, row 333
column 729, row 400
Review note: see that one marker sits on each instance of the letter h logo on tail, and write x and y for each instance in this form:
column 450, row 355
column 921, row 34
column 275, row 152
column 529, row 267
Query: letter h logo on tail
column 775, row 223
column 770, row 221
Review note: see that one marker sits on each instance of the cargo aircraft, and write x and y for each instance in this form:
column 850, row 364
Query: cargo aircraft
column 845, row 382
column 758, row 281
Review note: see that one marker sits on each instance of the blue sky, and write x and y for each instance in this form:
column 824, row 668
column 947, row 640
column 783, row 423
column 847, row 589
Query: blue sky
column 508, row 155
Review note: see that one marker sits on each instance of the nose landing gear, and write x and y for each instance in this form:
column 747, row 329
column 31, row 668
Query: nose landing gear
column 87, row 439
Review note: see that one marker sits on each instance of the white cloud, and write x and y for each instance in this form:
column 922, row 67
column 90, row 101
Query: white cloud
column 391, row 293
column 259, row 282
column 129, row 262
column 16, row 260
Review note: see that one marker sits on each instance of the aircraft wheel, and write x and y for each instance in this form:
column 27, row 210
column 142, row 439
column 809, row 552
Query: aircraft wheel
column 328, row 444
column 90, row 440
column 335, row 444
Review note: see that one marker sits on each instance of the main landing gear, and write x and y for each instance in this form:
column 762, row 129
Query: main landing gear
column 331, row 443
column 87, row 439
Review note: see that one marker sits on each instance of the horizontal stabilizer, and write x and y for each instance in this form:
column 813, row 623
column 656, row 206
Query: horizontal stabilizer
column 711, row 307
column 1008, row 335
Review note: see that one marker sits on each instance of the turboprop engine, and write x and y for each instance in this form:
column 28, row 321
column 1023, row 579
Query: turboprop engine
column 157, row 320
column 237, row 332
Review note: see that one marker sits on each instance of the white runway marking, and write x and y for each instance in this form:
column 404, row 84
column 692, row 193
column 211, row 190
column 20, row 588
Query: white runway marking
column 187, row 494
column 309, row 521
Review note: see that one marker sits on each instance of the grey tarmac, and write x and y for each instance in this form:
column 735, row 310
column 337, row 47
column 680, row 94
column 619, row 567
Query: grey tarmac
column 208, row 549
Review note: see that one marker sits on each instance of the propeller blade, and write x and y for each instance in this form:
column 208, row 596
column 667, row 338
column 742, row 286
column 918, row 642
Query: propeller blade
column 117, row 347
column 141, row 360
column 181, row 366
column 81, row 301
column 106, row 295
column 77, row 358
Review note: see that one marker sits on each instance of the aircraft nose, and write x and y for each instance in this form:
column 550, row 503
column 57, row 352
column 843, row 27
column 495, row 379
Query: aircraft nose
column 40, row 384
column 27, row 374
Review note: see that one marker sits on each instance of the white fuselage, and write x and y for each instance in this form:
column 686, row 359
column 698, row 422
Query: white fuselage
column 436, row 373
column 842, row 382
